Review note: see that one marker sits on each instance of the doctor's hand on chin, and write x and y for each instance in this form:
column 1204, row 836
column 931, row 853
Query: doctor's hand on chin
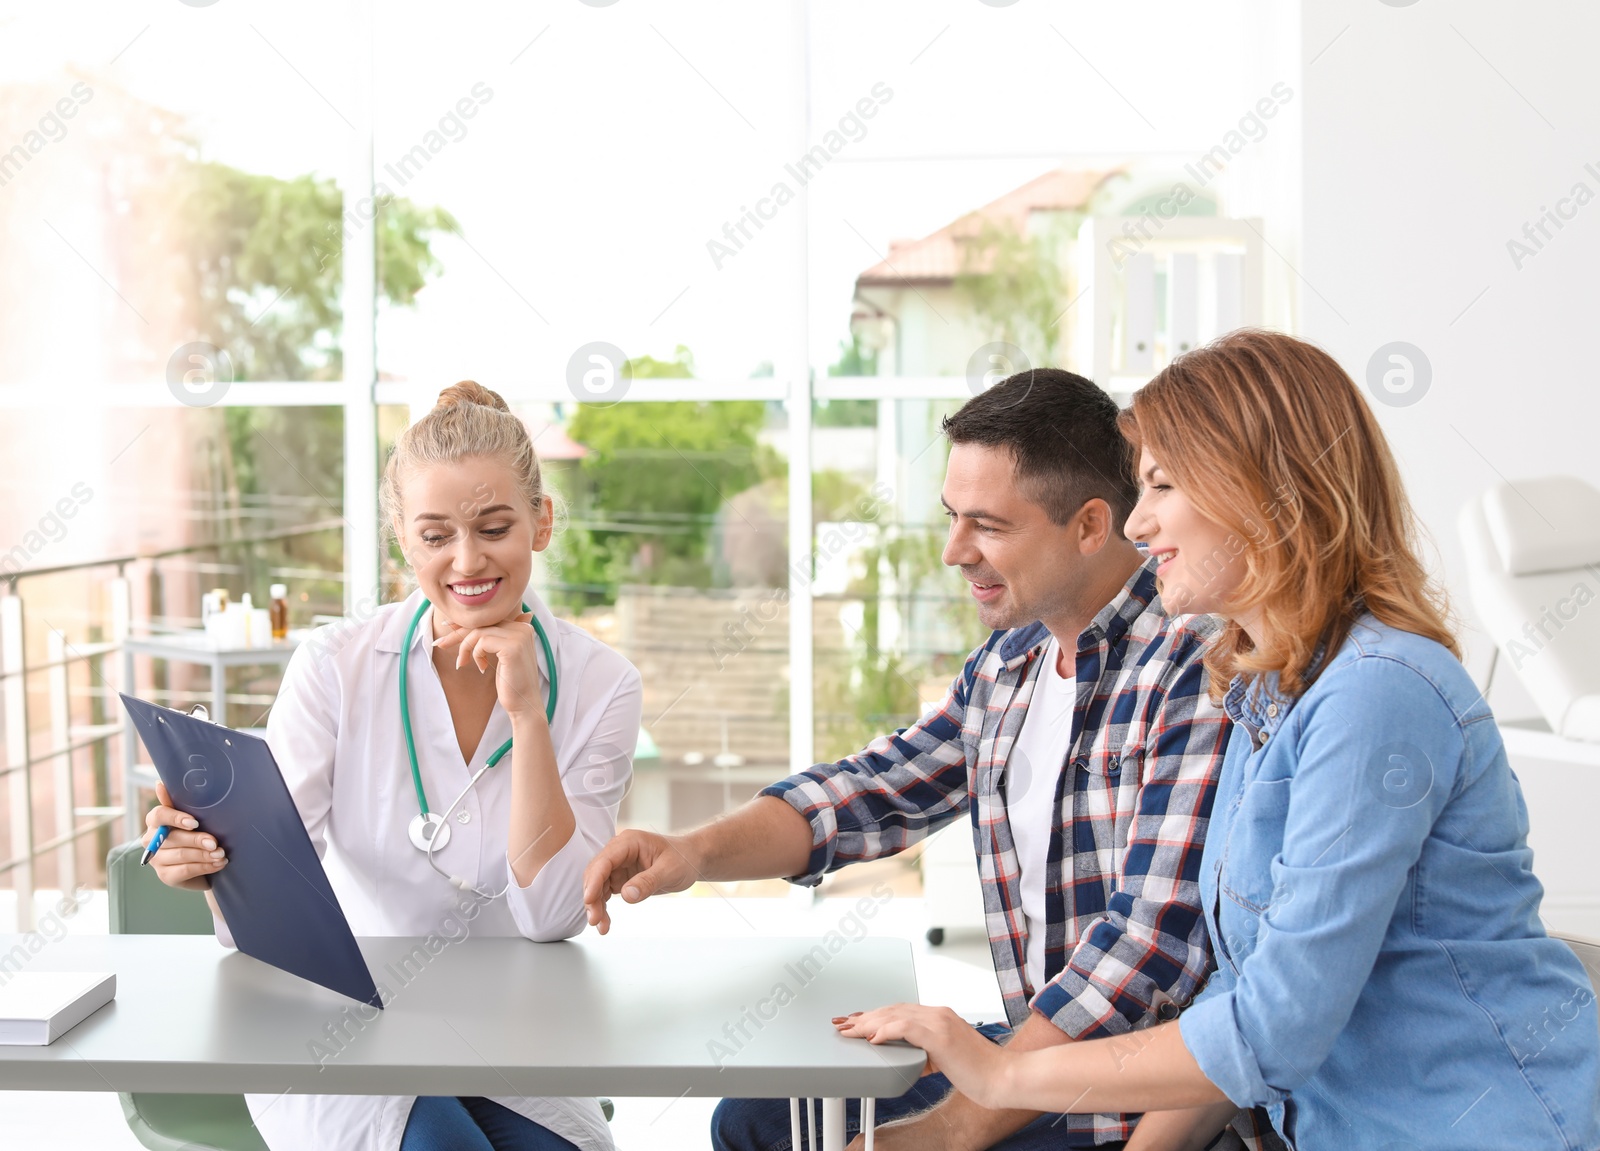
column 512, row 645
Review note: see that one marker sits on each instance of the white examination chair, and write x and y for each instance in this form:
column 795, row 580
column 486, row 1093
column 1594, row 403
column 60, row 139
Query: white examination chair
column 1533, row 555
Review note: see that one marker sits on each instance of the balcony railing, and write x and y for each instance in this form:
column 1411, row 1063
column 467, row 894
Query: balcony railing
column 68, row 821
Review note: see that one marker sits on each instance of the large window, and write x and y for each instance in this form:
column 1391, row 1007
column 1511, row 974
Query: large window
column 732, row 264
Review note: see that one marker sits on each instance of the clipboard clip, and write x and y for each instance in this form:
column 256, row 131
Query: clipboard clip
column 198, row 711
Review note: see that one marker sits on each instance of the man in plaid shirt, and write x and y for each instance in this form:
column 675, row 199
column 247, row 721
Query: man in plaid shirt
column 1080, row 739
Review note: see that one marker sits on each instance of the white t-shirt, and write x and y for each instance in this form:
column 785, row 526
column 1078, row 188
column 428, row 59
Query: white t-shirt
column 1031, row 775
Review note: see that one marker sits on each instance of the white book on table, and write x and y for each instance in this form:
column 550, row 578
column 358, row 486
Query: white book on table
column 38, row 1007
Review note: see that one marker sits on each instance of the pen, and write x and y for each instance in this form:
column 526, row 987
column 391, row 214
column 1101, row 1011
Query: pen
column 156, row 841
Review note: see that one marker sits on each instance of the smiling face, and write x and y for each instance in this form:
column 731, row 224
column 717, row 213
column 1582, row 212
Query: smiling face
column 1020, row 565
column 1200, row 561
column 469, row 534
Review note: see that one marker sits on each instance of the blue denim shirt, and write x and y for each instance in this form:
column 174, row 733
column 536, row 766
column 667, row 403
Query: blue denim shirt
column 1382, row 977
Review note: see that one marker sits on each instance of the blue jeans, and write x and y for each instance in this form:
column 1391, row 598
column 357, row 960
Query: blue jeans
column 447, row 1123
column 763, row 1124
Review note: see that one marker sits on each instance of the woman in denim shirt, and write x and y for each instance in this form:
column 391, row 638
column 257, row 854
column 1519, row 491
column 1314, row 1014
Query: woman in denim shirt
column 1383, row 979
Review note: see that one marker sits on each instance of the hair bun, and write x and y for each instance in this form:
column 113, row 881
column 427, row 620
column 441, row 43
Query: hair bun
column 471, row 392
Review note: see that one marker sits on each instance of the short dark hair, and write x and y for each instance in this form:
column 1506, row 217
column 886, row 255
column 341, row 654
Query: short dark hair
column 1061, row 430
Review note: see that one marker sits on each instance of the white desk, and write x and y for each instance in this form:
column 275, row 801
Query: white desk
column 501, row 1016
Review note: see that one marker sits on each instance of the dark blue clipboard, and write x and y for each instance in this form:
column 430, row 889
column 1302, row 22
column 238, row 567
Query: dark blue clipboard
column 275, row 896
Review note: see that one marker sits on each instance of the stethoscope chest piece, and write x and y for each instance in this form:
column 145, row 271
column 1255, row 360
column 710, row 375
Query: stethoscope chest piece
column 429, row 831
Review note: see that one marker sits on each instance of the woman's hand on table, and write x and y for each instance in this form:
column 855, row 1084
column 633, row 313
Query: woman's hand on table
column 954, row 1047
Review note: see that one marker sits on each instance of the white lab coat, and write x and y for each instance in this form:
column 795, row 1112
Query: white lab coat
column 335, row 732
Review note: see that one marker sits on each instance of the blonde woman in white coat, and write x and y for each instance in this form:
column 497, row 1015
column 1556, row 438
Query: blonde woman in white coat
column 463, row 494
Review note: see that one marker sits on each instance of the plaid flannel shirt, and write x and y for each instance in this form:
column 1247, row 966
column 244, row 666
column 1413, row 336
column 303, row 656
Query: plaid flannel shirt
column 1126, row 942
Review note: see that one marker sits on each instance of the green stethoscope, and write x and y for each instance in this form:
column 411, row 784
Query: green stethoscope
column 429, row 831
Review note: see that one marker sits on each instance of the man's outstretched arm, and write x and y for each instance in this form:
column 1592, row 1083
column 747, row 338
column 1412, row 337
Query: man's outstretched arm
column 868, row 805
column 764, row 839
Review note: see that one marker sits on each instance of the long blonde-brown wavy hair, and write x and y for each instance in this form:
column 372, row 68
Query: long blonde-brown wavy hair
column 1271, row 439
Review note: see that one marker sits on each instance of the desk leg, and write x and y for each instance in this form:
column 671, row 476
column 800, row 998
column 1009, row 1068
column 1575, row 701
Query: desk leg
column 833, row 1136
column 833, row 1128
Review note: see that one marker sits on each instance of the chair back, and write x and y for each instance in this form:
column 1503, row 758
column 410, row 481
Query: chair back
column 140, row 904
column 1588, row 952
column 1533, row 564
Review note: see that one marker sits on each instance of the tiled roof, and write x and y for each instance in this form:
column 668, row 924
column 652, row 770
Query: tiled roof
column 551, row 442
column 937, row 258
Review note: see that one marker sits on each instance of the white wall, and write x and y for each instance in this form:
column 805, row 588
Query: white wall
column 1432, row 133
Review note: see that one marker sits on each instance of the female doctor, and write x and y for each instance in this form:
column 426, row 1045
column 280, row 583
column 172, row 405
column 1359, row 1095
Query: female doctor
column 381, row 727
